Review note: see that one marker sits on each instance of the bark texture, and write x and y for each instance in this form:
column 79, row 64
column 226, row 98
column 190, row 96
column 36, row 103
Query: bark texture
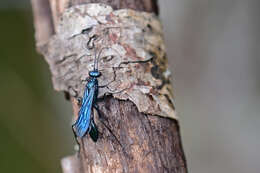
column 130, row 141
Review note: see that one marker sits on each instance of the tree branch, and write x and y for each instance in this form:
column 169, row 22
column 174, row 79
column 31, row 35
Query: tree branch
column 130, row 140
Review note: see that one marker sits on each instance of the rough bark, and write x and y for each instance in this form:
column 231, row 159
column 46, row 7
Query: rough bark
column 130, row 141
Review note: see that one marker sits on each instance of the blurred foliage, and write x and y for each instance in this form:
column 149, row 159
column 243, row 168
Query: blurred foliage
column 34, row 134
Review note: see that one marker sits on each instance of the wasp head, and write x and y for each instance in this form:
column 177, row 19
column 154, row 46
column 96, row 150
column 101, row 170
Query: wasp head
column 94, row 73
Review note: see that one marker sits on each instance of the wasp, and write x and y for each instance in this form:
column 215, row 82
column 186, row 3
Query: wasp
column 85, row 122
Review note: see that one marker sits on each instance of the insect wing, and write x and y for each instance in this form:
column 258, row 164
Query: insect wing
column 82, row 124
column 85, row 96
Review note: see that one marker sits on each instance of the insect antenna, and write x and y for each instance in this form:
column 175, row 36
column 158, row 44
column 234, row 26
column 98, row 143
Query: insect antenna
column 100, row 53
column 97, row 58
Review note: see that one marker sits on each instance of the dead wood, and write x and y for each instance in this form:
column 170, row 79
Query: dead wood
column 130, row 141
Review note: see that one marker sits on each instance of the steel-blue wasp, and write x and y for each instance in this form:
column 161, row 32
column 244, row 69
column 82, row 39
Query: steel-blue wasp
column 85, row 122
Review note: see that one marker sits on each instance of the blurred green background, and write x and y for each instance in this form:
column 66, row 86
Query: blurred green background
column 213, row 49
column 34, row 119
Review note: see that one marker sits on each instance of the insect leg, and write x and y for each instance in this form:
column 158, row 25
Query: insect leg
column 97, row 109
column 103, row 86
column 111, row 132
column 86, row 80
column 106, row 126
column 114, row 79
column 100, row 115
column 114, row 91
